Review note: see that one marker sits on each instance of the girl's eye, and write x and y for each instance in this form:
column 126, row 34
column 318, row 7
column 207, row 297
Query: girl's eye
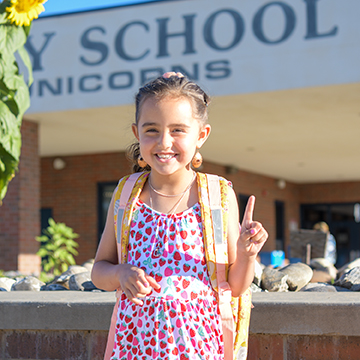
column 179, row 130
column 150, row 130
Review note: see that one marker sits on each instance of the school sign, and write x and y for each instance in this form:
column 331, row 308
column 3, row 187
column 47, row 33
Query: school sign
column 99, row 59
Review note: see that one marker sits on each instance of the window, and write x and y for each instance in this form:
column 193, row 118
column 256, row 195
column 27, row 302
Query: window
column 45, row 215
column 280, row 224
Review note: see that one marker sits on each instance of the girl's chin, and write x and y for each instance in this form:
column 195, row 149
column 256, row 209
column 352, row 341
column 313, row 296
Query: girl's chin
column 168, row 170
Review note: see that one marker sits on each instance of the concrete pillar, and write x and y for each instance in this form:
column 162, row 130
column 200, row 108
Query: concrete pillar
column 20, row 212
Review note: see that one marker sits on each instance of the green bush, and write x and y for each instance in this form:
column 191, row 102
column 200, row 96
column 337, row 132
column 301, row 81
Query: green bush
column 57, row 249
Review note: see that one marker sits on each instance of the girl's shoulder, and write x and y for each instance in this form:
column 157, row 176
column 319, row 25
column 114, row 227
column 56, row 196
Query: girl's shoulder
column 134, row 177
column 132, row 180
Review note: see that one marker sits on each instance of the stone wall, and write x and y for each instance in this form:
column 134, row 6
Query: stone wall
column 73, row 325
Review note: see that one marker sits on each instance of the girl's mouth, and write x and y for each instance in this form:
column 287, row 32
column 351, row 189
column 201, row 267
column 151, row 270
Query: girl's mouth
column 165, row 156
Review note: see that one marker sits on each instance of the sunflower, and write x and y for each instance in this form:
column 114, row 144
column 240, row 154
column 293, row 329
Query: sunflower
column 21, row 12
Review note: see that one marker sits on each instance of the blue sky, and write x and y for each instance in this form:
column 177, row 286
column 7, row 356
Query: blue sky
column 56, row 7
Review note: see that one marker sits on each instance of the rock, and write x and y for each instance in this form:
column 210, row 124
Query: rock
column 29, row 283
column 76, row 281
column 324, row 265
column 320, row 276
column 318, row 287
column 299, row 275
column 63, row 279
column 53, row 287
column 89, row 286
column 12, row 274
column 255, row 288
column 346, row 268
column 273, row 280
column 350, row 280
column 6, row 283
column 341, row 289
column 258, row 273
column 88, row 264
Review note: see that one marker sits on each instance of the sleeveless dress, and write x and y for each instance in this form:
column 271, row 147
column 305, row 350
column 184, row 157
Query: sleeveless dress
column 181, row 320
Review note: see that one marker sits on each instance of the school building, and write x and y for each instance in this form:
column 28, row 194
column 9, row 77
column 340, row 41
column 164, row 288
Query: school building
column 285, row 83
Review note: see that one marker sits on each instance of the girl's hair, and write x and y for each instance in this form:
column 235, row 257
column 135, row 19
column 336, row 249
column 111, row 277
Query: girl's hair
column 173, row 87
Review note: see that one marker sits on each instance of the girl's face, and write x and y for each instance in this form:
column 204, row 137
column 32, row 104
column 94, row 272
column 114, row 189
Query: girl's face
column 169, row 134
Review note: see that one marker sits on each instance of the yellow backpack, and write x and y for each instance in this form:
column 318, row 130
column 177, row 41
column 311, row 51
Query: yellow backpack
column 213, row 199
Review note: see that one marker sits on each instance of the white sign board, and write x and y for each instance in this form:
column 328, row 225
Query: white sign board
column 99, row 59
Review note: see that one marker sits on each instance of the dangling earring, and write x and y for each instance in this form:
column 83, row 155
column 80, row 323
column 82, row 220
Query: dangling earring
column 141, row 162
column 197, row 160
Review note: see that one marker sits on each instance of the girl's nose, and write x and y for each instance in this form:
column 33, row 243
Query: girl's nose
column 165, row 140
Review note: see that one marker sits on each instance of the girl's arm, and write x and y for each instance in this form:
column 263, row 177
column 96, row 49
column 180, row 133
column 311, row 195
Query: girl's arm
column 109, row 275
column 243, row 245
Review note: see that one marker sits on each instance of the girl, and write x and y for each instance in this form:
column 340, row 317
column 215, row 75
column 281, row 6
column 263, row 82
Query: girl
column 168, row 308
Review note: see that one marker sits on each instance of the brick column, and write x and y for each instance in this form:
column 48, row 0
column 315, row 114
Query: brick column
column 20, row 212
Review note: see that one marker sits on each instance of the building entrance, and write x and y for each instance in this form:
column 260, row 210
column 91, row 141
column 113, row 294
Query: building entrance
column 344, row 224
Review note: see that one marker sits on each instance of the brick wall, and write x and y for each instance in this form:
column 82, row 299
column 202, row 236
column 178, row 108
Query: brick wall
column 276, row 347
column 72, row 194
column 19, row 215
column 52, row 344
column 338, row 192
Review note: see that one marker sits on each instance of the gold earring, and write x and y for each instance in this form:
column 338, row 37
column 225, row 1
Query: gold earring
column 141, row 162
column 197, row 160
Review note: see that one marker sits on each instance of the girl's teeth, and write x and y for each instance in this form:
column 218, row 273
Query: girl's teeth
column 165, row 156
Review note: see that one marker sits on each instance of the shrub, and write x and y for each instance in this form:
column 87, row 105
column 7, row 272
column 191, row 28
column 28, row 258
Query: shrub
column 57, row 249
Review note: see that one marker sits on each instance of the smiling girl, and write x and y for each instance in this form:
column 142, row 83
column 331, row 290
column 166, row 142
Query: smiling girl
column 168, row 308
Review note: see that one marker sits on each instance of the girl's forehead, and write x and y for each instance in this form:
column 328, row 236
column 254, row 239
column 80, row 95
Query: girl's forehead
column 168, row 107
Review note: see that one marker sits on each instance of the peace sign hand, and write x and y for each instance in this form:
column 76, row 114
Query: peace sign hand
column 252, row 233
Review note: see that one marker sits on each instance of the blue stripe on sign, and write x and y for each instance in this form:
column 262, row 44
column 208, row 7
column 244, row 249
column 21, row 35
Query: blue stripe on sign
column 217, row 225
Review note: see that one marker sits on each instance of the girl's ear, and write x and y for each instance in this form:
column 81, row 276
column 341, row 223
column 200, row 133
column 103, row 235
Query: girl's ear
column 203, row 135
column 135, row 131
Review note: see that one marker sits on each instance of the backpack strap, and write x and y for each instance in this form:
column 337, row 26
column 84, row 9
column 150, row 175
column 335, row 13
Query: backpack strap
column 122, row 192
column 220, row 242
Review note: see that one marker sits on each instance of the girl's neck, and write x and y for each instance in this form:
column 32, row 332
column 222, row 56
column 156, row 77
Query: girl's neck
column 183, row 184
column 171, row 184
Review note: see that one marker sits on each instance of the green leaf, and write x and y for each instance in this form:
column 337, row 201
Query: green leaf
column 27, row 29
column 9, row 150
column 42, row 238
column 12, row 38
column 42, row 252
column 10, row 136
column 3, row 16
column 27, row 62
column 21, row 98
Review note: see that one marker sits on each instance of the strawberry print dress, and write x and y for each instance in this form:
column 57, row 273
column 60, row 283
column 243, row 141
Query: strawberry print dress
column 181, row 320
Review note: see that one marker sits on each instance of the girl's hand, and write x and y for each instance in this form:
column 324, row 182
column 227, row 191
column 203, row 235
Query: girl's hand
column 252, row 233
column 135, row 283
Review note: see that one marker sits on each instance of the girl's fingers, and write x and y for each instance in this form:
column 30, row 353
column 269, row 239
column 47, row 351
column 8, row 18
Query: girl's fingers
column 248, row 214
column 132, row 298
column 152, row 282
